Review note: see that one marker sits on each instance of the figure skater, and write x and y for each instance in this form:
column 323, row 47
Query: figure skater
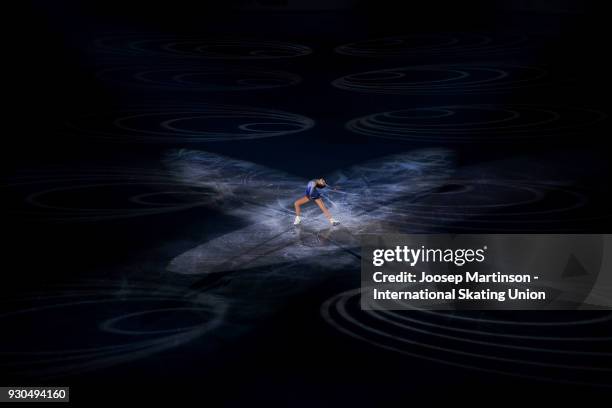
column 312, row 193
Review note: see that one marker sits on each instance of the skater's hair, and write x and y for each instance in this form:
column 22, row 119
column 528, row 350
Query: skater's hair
column 321, row 178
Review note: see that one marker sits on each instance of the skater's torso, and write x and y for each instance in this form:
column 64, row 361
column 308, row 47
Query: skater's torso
column 311, row 190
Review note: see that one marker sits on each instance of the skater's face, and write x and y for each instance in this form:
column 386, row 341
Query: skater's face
column 321, row 183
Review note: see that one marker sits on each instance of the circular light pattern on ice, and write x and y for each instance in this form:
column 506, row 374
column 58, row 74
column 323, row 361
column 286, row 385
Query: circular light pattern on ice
column 104, row 194
column 92, row 325
column 435, row 44
column 199, row 78
column 144, row 45
column 190, row 124
column 475, row 123
column 568, row 347
column 443, row 79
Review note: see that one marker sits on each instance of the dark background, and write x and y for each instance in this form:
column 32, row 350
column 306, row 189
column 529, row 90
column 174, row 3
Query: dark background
column 290, row 356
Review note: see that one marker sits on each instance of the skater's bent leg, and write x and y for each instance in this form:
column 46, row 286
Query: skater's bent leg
column 321, row 205
column 298, row 203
